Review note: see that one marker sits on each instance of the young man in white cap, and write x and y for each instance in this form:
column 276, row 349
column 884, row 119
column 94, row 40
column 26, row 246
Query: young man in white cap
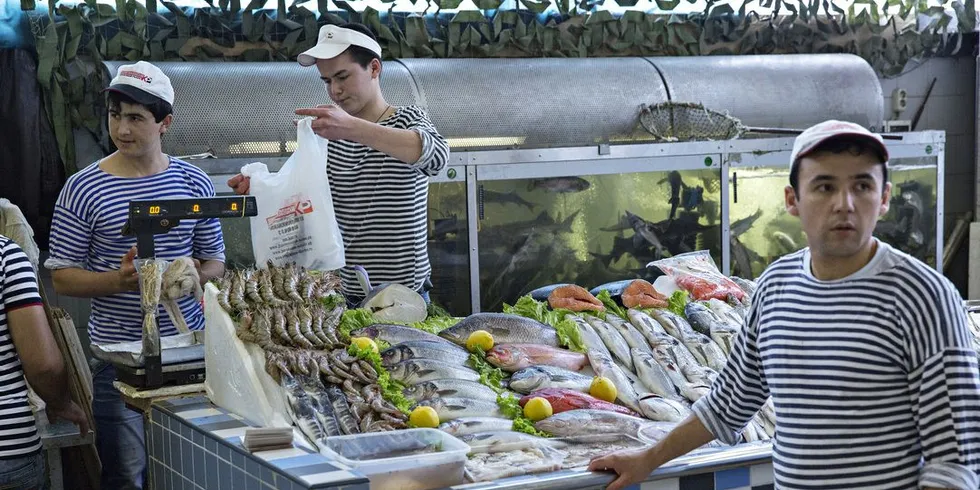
column 89, row 257
column 379, row 161
column 864, row 349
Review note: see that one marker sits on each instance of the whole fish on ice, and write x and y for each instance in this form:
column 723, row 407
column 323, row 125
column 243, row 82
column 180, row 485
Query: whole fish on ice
column 505, row 329
column 514, row 357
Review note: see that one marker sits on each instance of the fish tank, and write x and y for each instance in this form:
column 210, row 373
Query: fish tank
column 591, row 229
column 448, row 242
column 763, row 231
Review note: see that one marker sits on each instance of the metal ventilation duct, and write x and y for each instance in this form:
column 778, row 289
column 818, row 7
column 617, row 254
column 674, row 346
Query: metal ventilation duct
column 242, row 109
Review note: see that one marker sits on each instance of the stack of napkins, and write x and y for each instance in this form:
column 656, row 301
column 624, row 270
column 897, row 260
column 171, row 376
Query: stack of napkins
column 267, row 439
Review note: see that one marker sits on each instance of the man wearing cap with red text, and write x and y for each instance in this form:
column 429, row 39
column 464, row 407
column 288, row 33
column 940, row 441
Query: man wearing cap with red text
column 865, row 350
column 90, row 259
column 379, row 161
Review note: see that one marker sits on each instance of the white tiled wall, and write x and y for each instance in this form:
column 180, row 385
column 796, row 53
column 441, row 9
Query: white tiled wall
column 951, row 107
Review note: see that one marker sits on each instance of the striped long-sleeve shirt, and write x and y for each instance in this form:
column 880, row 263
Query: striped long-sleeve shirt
column 85, row 233
column 381, row 204
column 18, row 289
column 873, row 377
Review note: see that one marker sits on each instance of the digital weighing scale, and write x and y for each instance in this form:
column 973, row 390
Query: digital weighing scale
column 180, row 358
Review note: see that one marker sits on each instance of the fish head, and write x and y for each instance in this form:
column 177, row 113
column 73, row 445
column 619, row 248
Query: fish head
column 528, row 380
column 415, row 392
column 370, row 331
column 393, row 355
column 504, row 356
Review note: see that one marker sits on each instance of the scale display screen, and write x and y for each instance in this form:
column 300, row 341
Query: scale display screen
column 215, row 207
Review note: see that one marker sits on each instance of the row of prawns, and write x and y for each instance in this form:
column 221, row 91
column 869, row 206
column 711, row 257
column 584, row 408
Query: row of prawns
column 282, row 310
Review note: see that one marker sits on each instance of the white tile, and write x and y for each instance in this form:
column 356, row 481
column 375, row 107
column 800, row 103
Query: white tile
column 760, row 474
column 669, row 484
column 202, row 412
column 328, row 477
column 281, row 453
column 229, row 433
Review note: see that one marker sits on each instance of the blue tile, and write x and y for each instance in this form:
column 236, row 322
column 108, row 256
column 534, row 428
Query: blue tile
column 296, row 461
column 187, row 458
column 266, row 475
column 235, row 441
column 173, row 448
column 253, row 484
column 167, row 479
column 210, row 444
column 238, row 478
column 733, row 478
column 237, row 459
column 767, row 486
column 224, row 452
column 197, row 437
column 212, row 419
column 253, row 467
column 211, row 464
column 156, row 475
column 703, row 481
column 176, row 457
column 313, row 469
column 200, row 476
column 155, row 416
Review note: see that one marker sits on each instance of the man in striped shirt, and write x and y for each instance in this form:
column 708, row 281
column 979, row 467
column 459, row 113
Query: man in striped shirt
column 379, row 162
column 27, row 350
column 864, row 349
column 89, row 257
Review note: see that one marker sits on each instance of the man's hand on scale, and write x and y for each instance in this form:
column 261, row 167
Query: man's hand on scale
column 239, row 184
column 128, row 278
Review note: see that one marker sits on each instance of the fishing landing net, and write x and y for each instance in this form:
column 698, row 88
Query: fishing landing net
column 687, row 121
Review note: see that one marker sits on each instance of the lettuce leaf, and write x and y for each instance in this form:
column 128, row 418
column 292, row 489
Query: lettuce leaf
column 677, row 302
column 353, row 320
column 391, row 390
column 568, row 334
column 611, row 305
column 434, row 325
column 511, row 407
column 490, row 376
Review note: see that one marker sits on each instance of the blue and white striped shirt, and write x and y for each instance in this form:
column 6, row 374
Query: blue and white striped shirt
column 873, row 377
column 86, row 233
column 18, row 289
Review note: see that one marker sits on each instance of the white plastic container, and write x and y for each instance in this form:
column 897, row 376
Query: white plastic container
column 412, row 459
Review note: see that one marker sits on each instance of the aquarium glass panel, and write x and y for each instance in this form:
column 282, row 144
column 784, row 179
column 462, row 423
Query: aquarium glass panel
column 448, row 247
column 591, row 230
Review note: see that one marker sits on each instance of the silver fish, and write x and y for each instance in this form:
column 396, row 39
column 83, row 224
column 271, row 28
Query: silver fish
column 395, row 334
column 604, row 366
column 694, row 392
column 448, row 387
column 725, row 312
column 663, row 354
column 495, row 442
column 473, row 425
column 322, row 406
column 655, row 407
column 630, row 334
column 300, row 409
column 617, row 345
column 589, row 336
column 587, row 421
column 653, row 376
column 747, row 285
column 341, row 409
column 505, row 329
column 414, row 371
column 677, row 348
column 705, row 321
column 454, row 408
column 424, row 349
column 706, row 350
column 534, row 378
column 699, row 374
column 674, row 324
column 700, row 317
column 650, row 329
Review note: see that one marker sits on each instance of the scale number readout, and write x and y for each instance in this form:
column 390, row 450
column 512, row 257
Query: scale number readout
column 154, row 210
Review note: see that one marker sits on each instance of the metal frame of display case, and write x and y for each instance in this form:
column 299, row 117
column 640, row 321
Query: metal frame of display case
column 473, row 167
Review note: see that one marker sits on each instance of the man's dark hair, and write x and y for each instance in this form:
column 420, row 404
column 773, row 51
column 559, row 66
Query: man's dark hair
column 854, row 145
column 362, row 56
column 160, row 108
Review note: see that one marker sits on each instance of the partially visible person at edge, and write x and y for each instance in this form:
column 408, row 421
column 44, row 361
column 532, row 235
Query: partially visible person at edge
column 27, row 350
column 379, row 160
column 865, row 350
column 90, row 259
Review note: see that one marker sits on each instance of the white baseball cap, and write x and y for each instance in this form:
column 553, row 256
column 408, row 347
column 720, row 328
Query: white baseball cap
column 143, row 82
column 333, row 41
column 813, row 136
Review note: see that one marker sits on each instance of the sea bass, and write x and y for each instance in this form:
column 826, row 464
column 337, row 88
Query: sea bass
column 514, row 357
column 656, row 407
column 604, row 366
column 414, row 371
column 535, row 378
column 424, row 349
column 653, row 376
column 449, row 388
column 581, row 422
column 617, row 345
column 630, row 334
column 505, row 329
column 590, row 338
column 395, row 334
column 454, row 408
column 473, row 425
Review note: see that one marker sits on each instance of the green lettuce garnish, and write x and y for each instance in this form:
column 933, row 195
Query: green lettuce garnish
column 434, row 325
column 353, row 320
column 511, row 407
column 677, row 302
column 568, row 334
column 391, row 390
column 490, row 376
column 611, row 305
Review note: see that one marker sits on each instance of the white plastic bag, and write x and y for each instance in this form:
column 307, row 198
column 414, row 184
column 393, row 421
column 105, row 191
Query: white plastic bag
column 296, row 221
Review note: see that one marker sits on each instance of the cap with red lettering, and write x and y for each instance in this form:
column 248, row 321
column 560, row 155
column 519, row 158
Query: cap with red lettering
column 813, row 136
column 143, row 82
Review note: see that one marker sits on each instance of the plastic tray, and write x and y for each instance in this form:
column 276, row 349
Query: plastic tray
column 406, row 470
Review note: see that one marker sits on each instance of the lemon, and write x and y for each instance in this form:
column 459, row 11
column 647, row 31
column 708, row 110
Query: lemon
column 364, row 343
column 481, row 339
column 537, row 408
column 424, row 417
column 603, row 389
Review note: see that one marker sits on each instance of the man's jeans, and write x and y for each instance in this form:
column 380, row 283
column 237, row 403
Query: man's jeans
column 119, row 434
column 25, row 473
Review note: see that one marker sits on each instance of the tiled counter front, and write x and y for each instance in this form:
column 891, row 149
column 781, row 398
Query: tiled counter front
column 194, row 445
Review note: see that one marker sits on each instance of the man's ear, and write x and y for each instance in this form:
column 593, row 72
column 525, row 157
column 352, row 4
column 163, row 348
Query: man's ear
column 167, row 121
column 791, row 201
column 375, row 67
column 886, row 199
